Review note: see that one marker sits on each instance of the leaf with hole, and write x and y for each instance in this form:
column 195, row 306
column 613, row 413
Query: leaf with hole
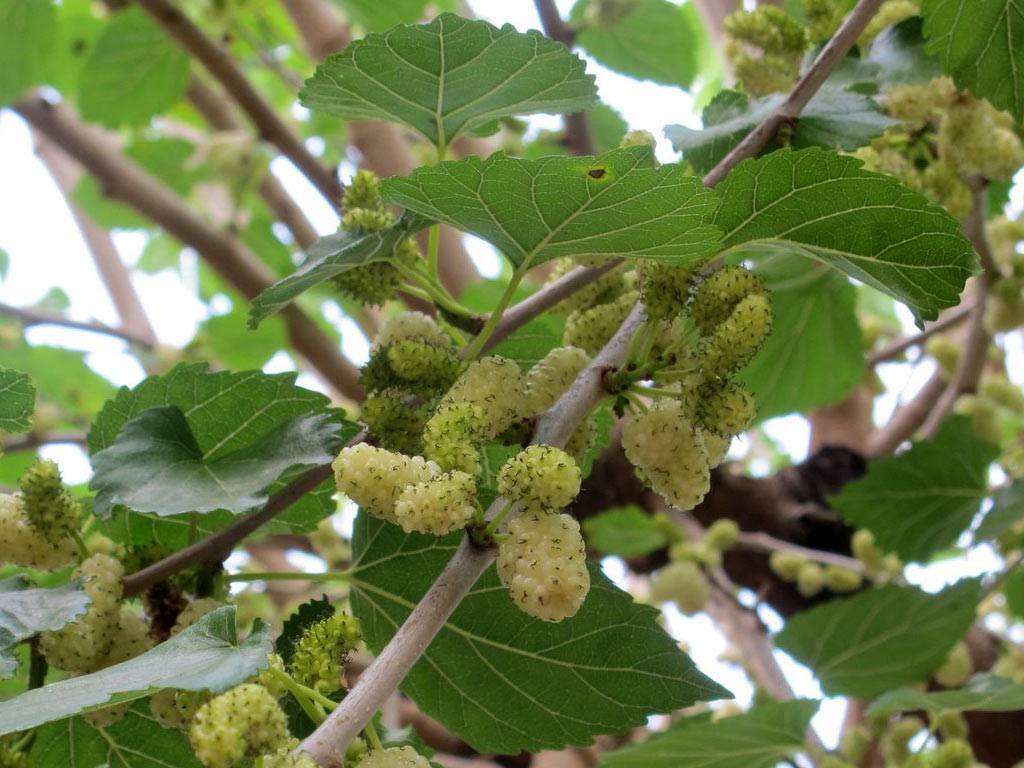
column 616, row 205
column 447, row 77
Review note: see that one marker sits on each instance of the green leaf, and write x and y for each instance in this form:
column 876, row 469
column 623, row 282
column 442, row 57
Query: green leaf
column 25, row 611
column 657, row 40
column 981, row 44
column 864, row 645
column 767, row 735
column 505, row 682
column 137, row 741
column 624, row 531
column 1007, row 509
column 447, row 77
column 17, row 399
column 226, row 412
column 814, row 355
column 920, row 501
column 238, row 347
column 825, row 206
column 834, row 119
column 983, row 693
column 60, row 376
column 205, row 656
column 27, row 34
column 155, row 465
column 616, row 205
column 376, row 16
column 328, row 257
column 134, row 72
column 1013, row 592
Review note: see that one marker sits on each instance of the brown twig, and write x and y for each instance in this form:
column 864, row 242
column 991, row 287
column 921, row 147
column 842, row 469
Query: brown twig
column 897, row 347
column 32, row 441
column 124, row 180
column 219, row 62
column 762, row 542
column 28, row 316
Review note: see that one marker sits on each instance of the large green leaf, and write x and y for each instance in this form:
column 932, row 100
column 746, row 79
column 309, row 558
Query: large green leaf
column 920, row 501
column 864, row 645
column 17, row 399
column 814, row 355
column 60, row 376
column 24, row 611
column 204, row 657
column 657, row 40
column 137, row 741
column 449, row 76
column 506, row 682
column 616, row 205
column 765, row 736
column 981, row 44
column 155, row 465
column 226, row 413
column 27, row 33
column 983, row 693
column 834, row 119
column 328, row 257
column 134, row 72
column 825, row 206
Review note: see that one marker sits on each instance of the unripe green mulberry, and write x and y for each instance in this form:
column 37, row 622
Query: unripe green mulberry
column 394, row 757
column 953, row 753
column 243, row 722
column 957, row 668
column 543, row 565
column 683, row 583
column 719, row 293
column 668, row 453
column 722, row 534
column 498, row 386
column 427, row 364
column 786, row 565
column 590, row 329
column 22, row 545
column 725, row 408
column 540, row 477
column 737, row 338
column 664, row 288
column 12, row 758
column 769, row 28
column 1003, row 392
column 984, row 417
column 842, row 580
column 943, row 184
column 319, row 658
column 452, row 437
column 374, row 478
column 551, row 376
column 950, row 724
column 362, row 192
column 410, row 325
column 373, row 284
column 946, row 353
column 638, row 138
column 891, row 12
column 898, row 736
column 50, row 509
column 979, row 140
column 395, row 420
column 82, row 645
column 782, row 42
column 823, row 19
column 810, row 580
column 164, row 708
column 439, row 506
column 604, row 289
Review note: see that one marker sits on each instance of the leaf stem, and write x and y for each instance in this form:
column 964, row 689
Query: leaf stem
column 498, row 519
column 372, row 736
column 302, row 695
column 477, row 345
column 83, row 551
column 433, row 240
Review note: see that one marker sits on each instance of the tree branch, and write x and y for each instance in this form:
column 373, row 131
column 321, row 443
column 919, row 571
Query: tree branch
column 789, row 111
column 105, row 256
column 28, row 316
column 123, row 180
column 763, row 542
column 223, row 67
column 897, row 347
column 32, row 441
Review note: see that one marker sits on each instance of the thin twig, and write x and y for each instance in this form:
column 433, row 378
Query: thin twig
column 897, row 347
column 127, row 182
column 28, row 316
column 555, row 427
column 32, row 441
column 219, row 62
column 762, row 542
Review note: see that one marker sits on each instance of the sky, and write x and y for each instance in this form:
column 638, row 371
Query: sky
column 46, row 250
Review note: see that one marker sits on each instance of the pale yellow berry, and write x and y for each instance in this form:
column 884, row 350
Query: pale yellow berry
column 683, row 583
column 374, row 478
column 394, row 757
column 244, row 722
column 410, row 325
column 438, row 506
column 957, row 668
column 22, row 545
column 551, row 376
column 541, row 477
column 543, row 565
column 498, row 386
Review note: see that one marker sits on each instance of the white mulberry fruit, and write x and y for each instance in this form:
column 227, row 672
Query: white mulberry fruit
column 22, row 545
column 438, row 506
column 551, row 376
column 498, row 386
column 374, row 478
column 394, row 757
column 246, row 721
column 541, row 477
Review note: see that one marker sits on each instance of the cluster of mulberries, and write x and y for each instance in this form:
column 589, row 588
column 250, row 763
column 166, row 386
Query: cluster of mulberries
column 995, row 410
column 878, row 565
column 542, row 564
column 318, row 661
column 764, row 47
column 374, row 477
column 246, row 721
column 683, row 580
column 732, row 310
column 377, row 282
column 592, row 328
column 438, row 506
column 21, row 544
column 811, row 578
column 605, row 289
column 413, row 354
